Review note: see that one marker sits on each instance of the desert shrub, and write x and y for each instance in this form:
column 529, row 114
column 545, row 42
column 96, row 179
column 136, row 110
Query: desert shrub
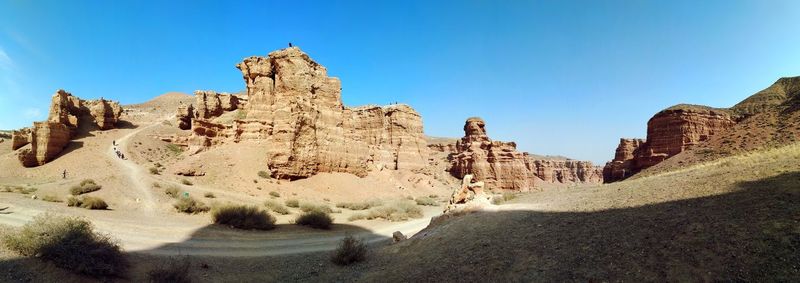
column 51, row 198
column 351, row 250
column 244, row 217
column 274, row 194
column 395, row 211
column 176, row 270
column 309, row 206
column 433, row 196
column 86, row 186
column 292, row 203
column 73, row 201
column 172, row 191
column 359, row 205
column 189, row 205
column 154, row 170
column 277, row 207
column 425, row 201
column 315, row 219
column 20, row 189
column 503, row 198
column 156, row 185
column 69, row 243
column 263, row 174
column 174, row 148
column 93, row 203
column 209, row 195
column 186, row 182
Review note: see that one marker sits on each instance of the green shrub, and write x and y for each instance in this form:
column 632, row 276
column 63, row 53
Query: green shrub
column 293, row 203
column 186, row 182
column 51, row 198
column 359, row 205
column 176, row 270
column 274, row 194
column 315, row 219
column 209, row 195
column 69, row 243
column 426, row 201
column 264, row 174
column 189, row 205
column 172, row 191
column 86, row 186
column 244, row 217
column 351, row 250
column 396, row 211
column 277, row 207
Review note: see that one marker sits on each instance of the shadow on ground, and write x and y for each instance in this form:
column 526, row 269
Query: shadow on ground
column 750, row 234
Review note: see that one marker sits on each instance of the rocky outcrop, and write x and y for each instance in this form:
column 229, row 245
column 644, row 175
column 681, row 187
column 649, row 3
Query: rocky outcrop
column 498, row 164
column 20, row 138
column 669, row 132
column 566, row 171
column 443, row 147
column 295, row 110
column 470, row 196
column 68, row 115
column 185, row 115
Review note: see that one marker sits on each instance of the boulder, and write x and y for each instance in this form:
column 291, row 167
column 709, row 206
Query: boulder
column 397, row 236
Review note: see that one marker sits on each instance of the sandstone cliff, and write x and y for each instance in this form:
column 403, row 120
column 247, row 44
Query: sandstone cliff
column 566, row 171
column 68, row 114
column 295, row 110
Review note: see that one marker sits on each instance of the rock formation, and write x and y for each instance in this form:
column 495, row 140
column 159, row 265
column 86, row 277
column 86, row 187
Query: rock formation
column 295, row 110
column 20, row 138
column 669, row 132
column 185, row 115
column 566, row 171
column 67, row 115
column 470, row 196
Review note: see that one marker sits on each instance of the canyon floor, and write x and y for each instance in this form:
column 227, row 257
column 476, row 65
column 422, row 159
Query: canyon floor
column 731, row 219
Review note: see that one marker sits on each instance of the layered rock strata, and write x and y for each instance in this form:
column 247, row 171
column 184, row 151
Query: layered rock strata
column 566, row 171
column 669, row 132
column 20, row 138
column 295, row 110
column 66, row 116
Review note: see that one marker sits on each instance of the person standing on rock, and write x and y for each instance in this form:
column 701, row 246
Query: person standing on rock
column 64, row 174
column 290, row 44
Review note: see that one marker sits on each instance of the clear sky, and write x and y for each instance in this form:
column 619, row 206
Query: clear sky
column 557, row 77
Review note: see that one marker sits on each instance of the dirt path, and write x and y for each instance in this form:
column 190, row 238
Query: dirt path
column 136, row 174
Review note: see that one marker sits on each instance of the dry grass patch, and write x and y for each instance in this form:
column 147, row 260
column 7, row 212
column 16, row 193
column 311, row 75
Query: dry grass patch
column 276, row 207
column 396, row 211
column 350, row 251
column 209, row 195
column 359, row 205
column 18, row 189
column 310, row 206
column 292, row 203
column 87, row 202
column 51, row 198
column 274, row 194
column 426, row 201
column 69, row 243
column 190, row 205
column 243, row 217
column 172, row 191
column 315, row 219
column 186, row 182
column 503, row 198
column 86, row 186
column 264, row 174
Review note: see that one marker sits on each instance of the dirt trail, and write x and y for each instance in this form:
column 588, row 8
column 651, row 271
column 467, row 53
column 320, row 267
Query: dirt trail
column 134, row 172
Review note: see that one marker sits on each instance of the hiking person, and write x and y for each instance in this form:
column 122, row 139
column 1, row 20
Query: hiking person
column 64, row 174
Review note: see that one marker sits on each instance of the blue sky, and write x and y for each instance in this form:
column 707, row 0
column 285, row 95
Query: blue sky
column 557, row 77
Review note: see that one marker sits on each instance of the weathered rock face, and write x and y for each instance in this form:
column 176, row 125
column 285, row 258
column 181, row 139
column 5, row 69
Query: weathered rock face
column 185, row 115
column 566, row 171
column 296, row 111
column 669, row 132
column 498, row 164
column 67, row 114
column 443, row 147
column 20, row 138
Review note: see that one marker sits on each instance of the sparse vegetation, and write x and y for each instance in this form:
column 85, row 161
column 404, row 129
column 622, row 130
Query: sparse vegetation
column 503, row 198
column 395, row 211
column 263, row 174
column 156, row 185
column 69, row 243
column 309, row 206
column 186, row 182
column 190, row 205
column 87, row 202
column 176, row 270
column 274, row 194
column 359, row 205
column 350, row 251
column 174, row 148
column 315, row 219
column 86, row 186
column 243, row 217
column 293, row 203
column 209, row 195
column 19, row 189
column 154, row 171
column 276, row 207
column 51, row 198
column 172, row 191
column 426, row 201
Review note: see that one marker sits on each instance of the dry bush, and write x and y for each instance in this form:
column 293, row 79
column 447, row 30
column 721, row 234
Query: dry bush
column 274, row 194
column 277, row 207
column 263, row 174
column 190, row 205
column 87, row 202
column 315, row 219
column 186, row 182
column 19, row 189
column 503, row 198
column 172, row 191
column 395, row 211
column 243, row 217
column 309, row 206
column 292, row 203
column 176, row 270
column 69, row 243
column 174, row 148
column 86, row 186
column 209, row 195
column 154, row 170
column 51, row 198
column 351, row 250
column 359, row 205
column 426, row 201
